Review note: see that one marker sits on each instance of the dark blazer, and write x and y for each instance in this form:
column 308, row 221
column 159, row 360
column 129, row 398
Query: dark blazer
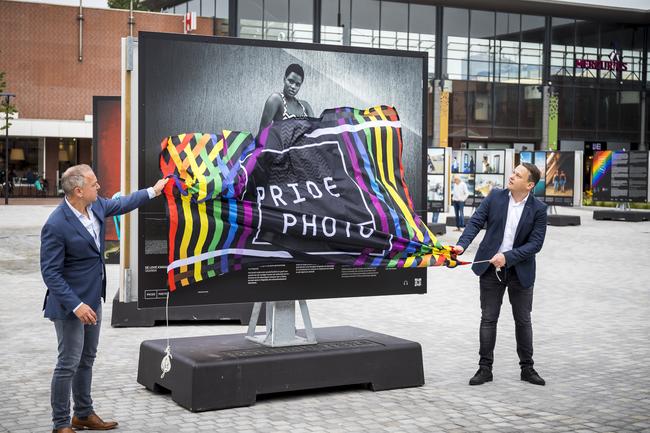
column 71, row 265
column 529, row 236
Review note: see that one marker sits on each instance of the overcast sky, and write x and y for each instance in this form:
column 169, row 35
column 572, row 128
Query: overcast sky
column 633, row 4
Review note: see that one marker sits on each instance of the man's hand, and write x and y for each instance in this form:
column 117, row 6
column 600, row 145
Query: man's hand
column 499, row 260
column 458, row 249
column 158, row 187
column 86, row 315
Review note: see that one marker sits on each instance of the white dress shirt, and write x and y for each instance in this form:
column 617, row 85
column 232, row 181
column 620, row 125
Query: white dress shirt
column 459, row 192
column 91, row 223
column 514, row 215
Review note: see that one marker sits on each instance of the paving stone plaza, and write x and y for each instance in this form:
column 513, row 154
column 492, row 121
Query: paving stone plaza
column 591, row 322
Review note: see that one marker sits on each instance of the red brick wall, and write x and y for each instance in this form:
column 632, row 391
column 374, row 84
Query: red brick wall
column 39, row 52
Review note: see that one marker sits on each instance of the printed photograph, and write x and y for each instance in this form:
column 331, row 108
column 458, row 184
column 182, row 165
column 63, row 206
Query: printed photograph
column 463, row 161
column 559, row 174
column 485, row 183
column 490, row 161
column 436, row 161
column 435, row 187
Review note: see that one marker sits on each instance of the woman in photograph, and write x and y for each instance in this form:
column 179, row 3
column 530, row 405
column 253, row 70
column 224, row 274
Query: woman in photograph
column 285, row 105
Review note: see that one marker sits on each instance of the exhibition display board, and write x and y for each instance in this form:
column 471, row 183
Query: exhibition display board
column 481, row 170
column 436, row 184
column 559, row 184
column 214, row 84
column 106, row 162
column 620, row 176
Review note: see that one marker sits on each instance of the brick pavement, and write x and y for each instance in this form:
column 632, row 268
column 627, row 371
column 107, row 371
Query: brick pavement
column 590, row 316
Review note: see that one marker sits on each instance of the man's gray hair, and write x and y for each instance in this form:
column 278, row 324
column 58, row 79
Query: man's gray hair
column 74, row 177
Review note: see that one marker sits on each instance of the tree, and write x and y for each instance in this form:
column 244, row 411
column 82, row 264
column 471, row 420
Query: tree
column 138, row 5
column 4, row 108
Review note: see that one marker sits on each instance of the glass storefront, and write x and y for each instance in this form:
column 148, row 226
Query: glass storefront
column 380, row 24
column 597, row 73
column 495, row 62
column 491, row 61
column 203, row 8
column 279, row 20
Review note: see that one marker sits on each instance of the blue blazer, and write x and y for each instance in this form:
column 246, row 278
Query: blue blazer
column 529, row 236
column 71, row 265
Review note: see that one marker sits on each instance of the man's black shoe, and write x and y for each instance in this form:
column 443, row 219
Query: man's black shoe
column 530, row 375
column 483, row 374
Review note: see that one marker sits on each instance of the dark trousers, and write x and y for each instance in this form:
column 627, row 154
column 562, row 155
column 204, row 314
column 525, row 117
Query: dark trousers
column 459, row 213
column 521, row 299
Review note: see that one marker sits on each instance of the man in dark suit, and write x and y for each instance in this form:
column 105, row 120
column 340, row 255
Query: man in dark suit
column 516, row 227
column 72, row 266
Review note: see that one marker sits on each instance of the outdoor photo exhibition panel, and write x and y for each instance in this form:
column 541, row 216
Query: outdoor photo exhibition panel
column 561, row 176
column 620, row 176
column 205, row 84
column 481, row 170
column 436, row 158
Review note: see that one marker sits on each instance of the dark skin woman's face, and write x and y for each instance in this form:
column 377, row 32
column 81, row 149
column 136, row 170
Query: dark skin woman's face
column 292, row 83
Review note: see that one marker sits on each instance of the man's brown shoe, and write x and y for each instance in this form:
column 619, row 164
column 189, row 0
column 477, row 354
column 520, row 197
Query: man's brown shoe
column 92, row 422
column 62, row 430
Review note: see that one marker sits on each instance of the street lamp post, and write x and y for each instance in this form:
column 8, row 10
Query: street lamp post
column 7, row 97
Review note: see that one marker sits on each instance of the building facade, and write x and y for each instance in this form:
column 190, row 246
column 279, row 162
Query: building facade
column 55, row 63
column 502, row 74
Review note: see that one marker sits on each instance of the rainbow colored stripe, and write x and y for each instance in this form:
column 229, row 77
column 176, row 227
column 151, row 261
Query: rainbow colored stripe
column 601, row 164
column 219, row 221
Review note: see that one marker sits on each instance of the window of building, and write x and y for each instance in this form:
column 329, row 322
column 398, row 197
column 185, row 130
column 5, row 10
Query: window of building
column 394, row 25
column 194, row 6
column 624, row 44
column 221, row 9
column 630, row 111
column 506, row 47
column 335, row 22
column 422, row 31
column 180, row 9
column 532, row 49
column 481, row 46
column 530, row 111
column 276, row 20
column 208, row 8
column 455, row 43
column 562, row 47
column 587, row 47
column 506, row 109
column 301, row 21
column 565, row 106
column 479, row 113
column 458, row 109
column 250, row 18
column 364, row 31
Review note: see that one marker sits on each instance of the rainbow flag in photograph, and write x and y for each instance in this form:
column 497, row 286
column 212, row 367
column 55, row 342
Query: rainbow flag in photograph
column 329, row 190
column 601, row 164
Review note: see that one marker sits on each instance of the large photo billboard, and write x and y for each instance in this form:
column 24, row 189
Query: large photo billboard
column 191, row 84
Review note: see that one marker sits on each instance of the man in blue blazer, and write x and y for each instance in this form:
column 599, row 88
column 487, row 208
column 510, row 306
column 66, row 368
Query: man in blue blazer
column 72, row 266
column 516, row 227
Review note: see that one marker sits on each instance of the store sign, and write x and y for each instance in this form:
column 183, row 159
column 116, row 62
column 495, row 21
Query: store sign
column 615, row 63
